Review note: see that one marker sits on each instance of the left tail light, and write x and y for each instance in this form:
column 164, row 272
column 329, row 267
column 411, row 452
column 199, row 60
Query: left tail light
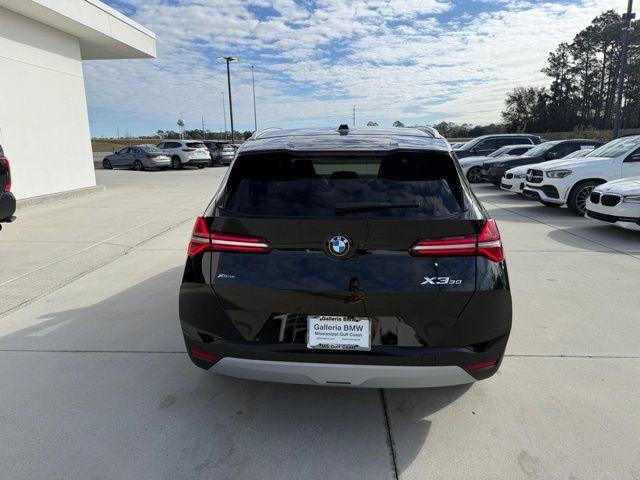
column 5, row 161
column 486, row 244
column 204, row 240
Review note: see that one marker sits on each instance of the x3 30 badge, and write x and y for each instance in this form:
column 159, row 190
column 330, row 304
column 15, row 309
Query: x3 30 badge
column 440, row 281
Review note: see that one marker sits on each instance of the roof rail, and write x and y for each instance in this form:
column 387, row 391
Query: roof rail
column 260, row 133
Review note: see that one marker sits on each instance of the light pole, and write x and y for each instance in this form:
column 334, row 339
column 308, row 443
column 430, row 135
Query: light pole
column 224, row 115
column 229, row 60
column 255, row 116
column 623, row 66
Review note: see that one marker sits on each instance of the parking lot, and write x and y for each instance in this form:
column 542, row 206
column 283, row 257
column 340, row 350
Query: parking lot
column 96, row 384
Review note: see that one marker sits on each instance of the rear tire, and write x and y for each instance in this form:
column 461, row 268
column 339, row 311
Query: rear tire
column 200, row 167
column 106, row 164
column 176, row 164
column 473, row 175
column 578, row 196
column 549, row 204
column 138, row 166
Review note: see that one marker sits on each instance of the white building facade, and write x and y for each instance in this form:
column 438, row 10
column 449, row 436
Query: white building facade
column 44, row 125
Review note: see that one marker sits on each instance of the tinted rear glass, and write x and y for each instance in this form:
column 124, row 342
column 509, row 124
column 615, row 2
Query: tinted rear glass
column 196, row 145
column 151, row 149
column 285, row 185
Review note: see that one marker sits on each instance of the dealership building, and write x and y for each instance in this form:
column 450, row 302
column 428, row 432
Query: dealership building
column 44, row 125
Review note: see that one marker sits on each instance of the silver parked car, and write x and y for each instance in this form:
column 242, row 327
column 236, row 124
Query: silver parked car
column 221, row 151
column 138, row 157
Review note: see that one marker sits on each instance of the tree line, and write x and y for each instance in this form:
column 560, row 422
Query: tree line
column 583, row 87
column 199, row 134
column 584, row 83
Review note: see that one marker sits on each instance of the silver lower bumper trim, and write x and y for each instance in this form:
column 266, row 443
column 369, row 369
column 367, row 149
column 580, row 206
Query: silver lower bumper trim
column 329, row 374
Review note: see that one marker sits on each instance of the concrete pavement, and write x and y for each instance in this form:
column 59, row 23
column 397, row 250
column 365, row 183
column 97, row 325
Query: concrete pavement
column 95, row 382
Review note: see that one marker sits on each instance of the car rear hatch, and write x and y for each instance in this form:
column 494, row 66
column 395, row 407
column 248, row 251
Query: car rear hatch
column 393, row 238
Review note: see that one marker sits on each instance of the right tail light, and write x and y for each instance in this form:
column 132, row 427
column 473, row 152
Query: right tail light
column 486, row 244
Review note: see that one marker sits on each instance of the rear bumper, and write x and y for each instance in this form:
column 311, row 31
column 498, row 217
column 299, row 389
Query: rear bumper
column 339, row 375
column 382, row 367
column 194, row 162
column 7, row 206
column 153, row 163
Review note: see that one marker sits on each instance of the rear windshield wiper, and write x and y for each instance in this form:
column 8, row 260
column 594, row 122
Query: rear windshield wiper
column 371, row 206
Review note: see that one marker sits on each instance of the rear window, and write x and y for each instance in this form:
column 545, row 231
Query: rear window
column 151, row 149
column 196, row 145
column 407, row 185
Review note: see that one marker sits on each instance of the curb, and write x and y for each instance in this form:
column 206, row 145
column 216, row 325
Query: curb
column 53, row 197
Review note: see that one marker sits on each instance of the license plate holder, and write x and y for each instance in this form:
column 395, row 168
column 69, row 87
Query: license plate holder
column 326, row 332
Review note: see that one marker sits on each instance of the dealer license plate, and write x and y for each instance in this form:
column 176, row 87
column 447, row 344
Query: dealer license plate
column 338, row 333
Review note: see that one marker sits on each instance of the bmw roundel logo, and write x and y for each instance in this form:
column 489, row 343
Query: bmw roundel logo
column 339, row 245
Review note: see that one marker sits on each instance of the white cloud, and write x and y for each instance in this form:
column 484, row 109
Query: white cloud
column 394, row 59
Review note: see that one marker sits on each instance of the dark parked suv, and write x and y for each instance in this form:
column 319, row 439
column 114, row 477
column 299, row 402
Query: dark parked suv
column 486, row 144
column 7, row 200
column 346, row 257
column 493, row 169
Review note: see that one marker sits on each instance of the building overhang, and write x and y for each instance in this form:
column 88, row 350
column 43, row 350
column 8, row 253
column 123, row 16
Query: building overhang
column 103, row 32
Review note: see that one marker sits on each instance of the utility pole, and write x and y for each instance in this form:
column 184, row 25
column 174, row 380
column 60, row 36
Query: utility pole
column 354, row 115
column 255, row 116
column 203, row 136
column 627, row 18
column 118, row 130
column 224, row 114
column 229, row 60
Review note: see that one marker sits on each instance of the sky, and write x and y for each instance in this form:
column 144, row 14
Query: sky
column 417, row 61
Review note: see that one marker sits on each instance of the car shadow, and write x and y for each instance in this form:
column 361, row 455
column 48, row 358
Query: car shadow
column 409, row 412
column 603, row 237
column 224, row 427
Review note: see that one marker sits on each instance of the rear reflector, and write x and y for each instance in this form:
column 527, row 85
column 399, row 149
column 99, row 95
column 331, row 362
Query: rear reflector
column 486, row 244
column 479, row 366
column 204, row 240
column 205, row 356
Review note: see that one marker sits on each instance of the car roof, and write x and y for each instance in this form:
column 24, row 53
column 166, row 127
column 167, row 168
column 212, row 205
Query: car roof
column 354, row 139
column 528, row 135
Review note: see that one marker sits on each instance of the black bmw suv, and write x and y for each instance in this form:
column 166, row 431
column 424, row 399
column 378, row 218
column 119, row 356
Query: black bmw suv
column 346, row 257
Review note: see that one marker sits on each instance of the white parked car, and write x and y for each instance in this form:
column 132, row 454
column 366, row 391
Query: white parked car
column 513, row 179
column 616, row 202
column 471, row 165
column 186, row 153
column 571, row 181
